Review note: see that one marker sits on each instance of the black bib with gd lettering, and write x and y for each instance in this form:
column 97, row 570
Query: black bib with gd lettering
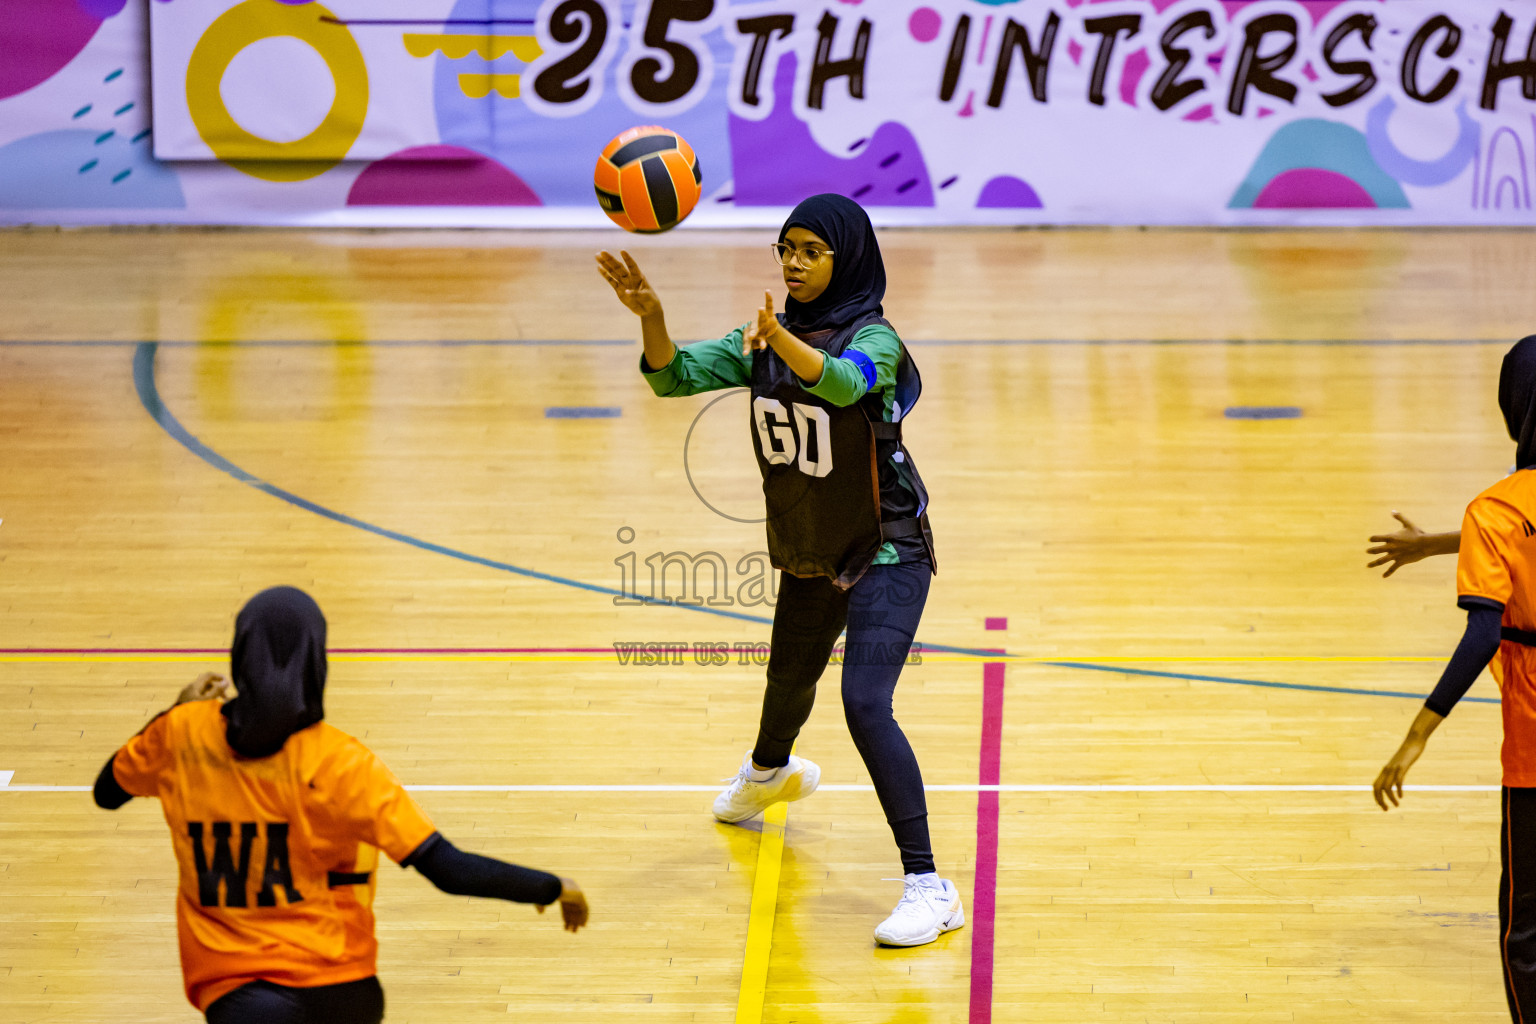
column 821, row 467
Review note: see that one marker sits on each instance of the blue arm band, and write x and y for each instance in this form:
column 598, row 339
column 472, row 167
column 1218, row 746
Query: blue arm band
column 865, row 364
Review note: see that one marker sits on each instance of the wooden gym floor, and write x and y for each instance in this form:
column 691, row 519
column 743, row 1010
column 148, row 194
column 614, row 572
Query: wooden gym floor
column 1200, row 678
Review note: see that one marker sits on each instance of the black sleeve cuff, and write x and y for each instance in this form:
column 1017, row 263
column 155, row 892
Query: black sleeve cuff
column 109, row 795
column 424, row 850
column 1470, row 601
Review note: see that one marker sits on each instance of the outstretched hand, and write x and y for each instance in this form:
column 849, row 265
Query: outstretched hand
column 628, row 282
column 573, row 905
column 1404, row 547
column 761, row 329
column 208, row 686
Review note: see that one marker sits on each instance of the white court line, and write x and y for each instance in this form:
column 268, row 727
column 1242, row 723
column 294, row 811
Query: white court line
column 1043, row 788
column 5, row 779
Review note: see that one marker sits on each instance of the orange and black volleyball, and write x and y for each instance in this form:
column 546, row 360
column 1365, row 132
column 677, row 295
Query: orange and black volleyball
column 647, row 179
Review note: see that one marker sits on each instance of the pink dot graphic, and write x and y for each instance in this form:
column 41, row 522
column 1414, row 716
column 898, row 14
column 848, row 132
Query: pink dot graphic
column 925, row 24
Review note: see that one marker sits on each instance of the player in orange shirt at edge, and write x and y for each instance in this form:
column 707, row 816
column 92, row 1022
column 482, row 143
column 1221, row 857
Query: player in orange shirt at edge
column 276, row 819
column 1496, row 584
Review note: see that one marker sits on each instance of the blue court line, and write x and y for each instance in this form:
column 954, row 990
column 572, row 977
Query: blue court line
column 1087, row 666
column 582, row 412
column 1263, row 412
column 925, row 343
column 149, row 397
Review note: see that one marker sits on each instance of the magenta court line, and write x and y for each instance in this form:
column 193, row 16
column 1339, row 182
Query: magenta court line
column 607, row 650
column 360, row 650
column 984, row 891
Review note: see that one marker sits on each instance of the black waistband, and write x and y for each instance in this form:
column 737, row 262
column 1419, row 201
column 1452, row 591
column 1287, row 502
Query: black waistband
column 1519, row 636
column 905, row 528
column 335, row 878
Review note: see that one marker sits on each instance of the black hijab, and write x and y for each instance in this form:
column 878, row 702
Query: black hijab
column 1517, row 399
column 858, row 272
column 278, row 663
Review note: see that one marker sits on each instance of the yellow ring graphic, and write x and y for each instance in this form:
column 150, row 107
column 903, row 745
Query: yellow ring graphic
column 301, row 159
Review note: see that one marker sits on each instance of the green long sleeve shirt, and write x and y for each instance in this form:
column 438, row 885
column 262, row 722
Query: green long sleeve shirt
column 713, row 365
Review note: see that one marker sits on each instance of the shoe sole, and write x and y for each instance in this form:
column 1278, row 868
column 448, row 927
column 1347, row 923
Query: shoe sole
column 955, row 919
column 800, row 787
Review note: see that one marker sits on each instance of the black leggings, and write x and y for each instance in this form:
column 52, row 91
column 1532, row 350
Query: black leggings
column 1517, row 903
column 881, row 612
column 263, row 1002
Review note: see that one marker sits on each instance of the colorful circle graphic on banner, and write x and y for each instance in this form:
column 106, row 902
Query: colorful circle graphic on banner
column 301, row 159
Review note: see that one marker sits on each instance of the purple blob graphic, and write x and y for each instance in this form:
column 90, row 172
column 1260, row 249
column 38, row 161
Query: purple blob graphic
column 1075, row 51
column 1205, row 113
column 1006, row 192
column 39, row 37
column 1311, row 188
column 439, row 176
column 101, row 10
column 925, row 24
column 889, row 170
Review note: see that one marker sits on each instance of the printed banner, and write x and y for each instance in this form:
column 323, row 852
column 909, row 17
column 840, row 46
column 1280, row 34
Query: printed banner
column 492, row 112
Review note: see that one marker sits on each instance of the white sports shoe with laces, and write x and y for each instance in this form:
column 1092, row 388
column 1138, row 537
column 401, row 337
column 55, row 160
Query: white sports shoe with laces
column 744, row 799
column 929, row 907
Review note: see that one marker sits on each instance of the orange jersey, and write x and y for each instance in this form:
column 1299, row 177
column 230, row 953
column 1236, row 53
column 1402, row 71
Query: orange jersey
column 276, row 855
column 1498, row 562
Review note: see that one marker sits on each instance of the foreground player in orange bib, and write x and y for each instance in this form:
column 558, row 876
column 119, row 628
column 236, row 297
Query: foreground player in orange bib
column 1496, row 584
column 277, row 819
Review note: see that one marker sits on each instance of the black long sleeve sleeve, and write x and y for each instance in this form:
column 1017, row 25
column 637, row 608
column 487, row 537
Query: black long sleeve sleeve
column 109, row 795
column 469, row 874
column 1478, row 645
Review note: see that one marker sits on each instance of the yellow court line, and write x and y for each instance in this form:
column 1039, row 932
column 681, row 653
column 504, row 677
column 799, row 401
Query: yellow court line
column 765, row 901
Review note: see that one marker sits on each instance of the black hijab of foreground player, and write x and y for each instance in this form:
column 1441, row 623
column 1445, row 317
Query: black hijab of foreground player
column 279, row 667
column 1517, row 399
column 858, row 271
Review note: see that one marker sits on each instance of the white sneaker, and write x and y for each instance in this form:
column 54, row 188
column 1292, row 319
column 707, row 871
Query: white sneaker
column 744, row 799
column 929, row 907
